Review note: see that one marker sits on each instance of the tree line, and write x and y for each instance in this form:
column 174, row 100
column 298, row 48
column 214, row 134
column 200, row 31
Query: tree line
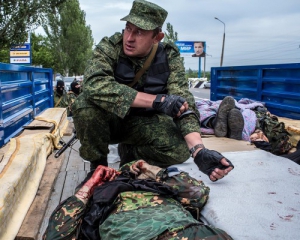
column 67, row 43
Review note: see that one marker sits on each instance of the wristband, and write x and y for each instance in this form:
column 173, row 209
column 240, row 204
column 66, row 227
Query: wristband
column 193, row 149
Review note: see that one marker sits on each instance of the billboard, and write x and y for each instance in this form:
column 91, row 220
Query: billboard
column 192, row 48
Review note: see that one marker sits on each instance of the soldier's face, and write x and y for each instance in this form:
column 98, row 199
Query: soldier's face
column 137, row 42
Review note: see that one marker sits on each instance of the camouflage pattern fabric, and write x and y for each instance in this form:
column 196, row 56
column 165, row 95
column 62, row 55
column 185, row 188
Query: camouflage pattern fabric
column 195, row 232
column 156, row 139
column 103, row 97
column 182, row 183
column 144, row 215
column 275, row 132
column 71, row 98
column 156, row 213
column 62, row 100
column 65, row 220
column 159, row 216
column 146, row 15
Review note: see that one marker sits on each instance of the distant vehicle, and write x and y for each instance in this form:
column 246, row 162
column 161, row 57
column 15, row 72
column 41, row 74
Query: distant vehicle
column 207, row 85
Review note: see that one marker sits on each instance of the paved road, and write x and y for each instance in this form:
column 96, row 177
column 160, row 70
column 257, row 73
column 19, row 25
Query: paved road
column 200, row 93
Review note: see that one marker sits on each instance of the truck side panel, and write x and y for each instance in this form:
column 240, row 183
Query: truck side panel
column 25, row 92
column 278, row 86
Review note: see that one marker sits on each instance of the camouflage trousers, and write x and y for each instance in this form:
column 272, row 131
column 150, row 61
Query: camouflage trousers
column 156, row 138
column 196, row 232
column 65, row 221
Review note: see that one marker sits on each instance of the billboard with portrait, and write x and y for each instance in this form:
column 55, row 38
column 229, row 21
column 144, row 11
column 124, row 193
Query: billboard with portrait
column 192, row 48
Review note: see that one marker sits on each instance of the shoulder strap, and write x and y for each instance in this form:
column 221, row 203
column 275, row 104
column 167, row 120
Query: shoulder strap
column 145, row 67
column 58, row 101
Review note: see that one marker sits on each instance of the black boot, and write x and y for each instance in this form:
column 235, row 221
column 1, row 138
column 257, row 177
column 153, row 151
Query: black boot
column 95, row 164
column 220, row 123
column 125, row 152
column 235, row 124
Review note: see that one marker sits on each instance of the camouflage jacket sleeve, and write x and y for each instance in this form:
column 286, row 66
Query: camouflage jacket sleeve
column 178, row 85
column 100, row 87
column 65, row 220
column 191, row 192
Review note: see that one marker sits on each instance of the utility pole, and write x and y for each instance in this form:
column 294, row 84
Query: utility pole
column 222, row 55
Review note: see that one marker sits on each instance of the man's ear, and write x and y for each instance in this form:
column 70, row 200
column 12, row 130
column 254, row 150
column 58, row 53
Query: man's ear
column 159, row 37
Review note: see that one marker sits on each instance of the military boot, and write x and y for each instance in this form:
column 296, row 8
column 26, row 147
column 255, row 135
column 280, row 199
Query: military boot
column 220, row 123
column 95, row 164
column 125, row 152
column 235, row 124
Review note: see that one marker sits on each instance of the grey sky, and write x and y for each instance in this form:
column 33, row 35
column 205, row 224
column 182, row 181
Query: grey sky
column 257, row 31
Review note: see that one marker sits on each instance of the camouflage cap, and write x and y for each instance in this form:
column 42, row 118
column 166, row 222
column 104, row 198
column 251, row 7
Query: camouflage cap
column 146, row 15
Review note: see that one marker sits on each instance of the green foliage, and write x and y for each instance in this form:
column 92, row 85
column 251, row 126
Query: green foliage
column 71, row 39
column 194, row 74
column 170, row 35
column 4, row 55
column 41, row 51
column 191, row 74
column 19, row 17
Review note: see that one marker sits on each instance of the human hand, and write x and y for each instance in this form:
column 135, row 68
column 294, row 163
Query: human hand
column 144, row 170
column 171, row 105
column 135, row 168
column 258, row 135
column 212, row 163
column 101, row 174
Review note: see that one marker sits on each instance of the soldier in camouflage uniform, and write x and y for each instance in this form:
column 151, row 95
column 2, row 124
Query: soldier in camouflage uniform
column 60, row 95
column 72, row 95
column 136, row 214
column 152, row 113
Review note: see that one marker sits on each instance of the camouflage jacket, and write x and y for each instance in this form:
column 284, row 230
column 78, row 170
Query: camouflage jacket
column 60, row 100
column 279, row 138
column 71, row 98
column 157, row 213
column 101, row 89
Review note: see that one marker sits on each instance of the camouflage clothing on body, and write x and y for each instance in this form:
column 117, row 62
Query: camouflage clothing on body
column 71, row 98
column 65, row 220
column 159, row 216
column 102, row 111
column 275, row 132
column 61, row 100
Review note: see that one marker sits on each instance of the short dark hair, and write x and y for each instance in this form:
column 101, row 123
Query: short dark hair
column 156, row 31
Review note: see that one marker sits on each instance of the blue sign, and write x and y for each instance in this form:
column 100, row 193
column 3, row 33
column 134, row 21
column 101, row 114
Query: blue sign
column 25, row 46
column 194, row 48
column 185, row 47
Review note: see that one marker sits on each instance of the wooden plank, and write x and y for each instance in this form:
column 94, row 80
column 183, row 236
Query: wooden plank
column 222, row 144
column 33, row 219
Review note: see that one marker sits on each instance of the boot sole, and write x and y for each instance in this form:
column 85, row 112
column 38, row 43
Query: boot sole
column 235, row 124
column 221, row 120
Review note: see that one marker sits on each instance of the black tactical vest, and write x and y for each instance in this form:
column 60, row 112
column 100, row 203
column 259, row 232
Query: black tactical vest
column 157, row 76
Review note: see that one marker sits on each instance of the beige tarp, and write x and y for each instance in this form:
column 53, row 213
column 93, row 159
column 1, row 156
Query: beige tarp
column 21, row 170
